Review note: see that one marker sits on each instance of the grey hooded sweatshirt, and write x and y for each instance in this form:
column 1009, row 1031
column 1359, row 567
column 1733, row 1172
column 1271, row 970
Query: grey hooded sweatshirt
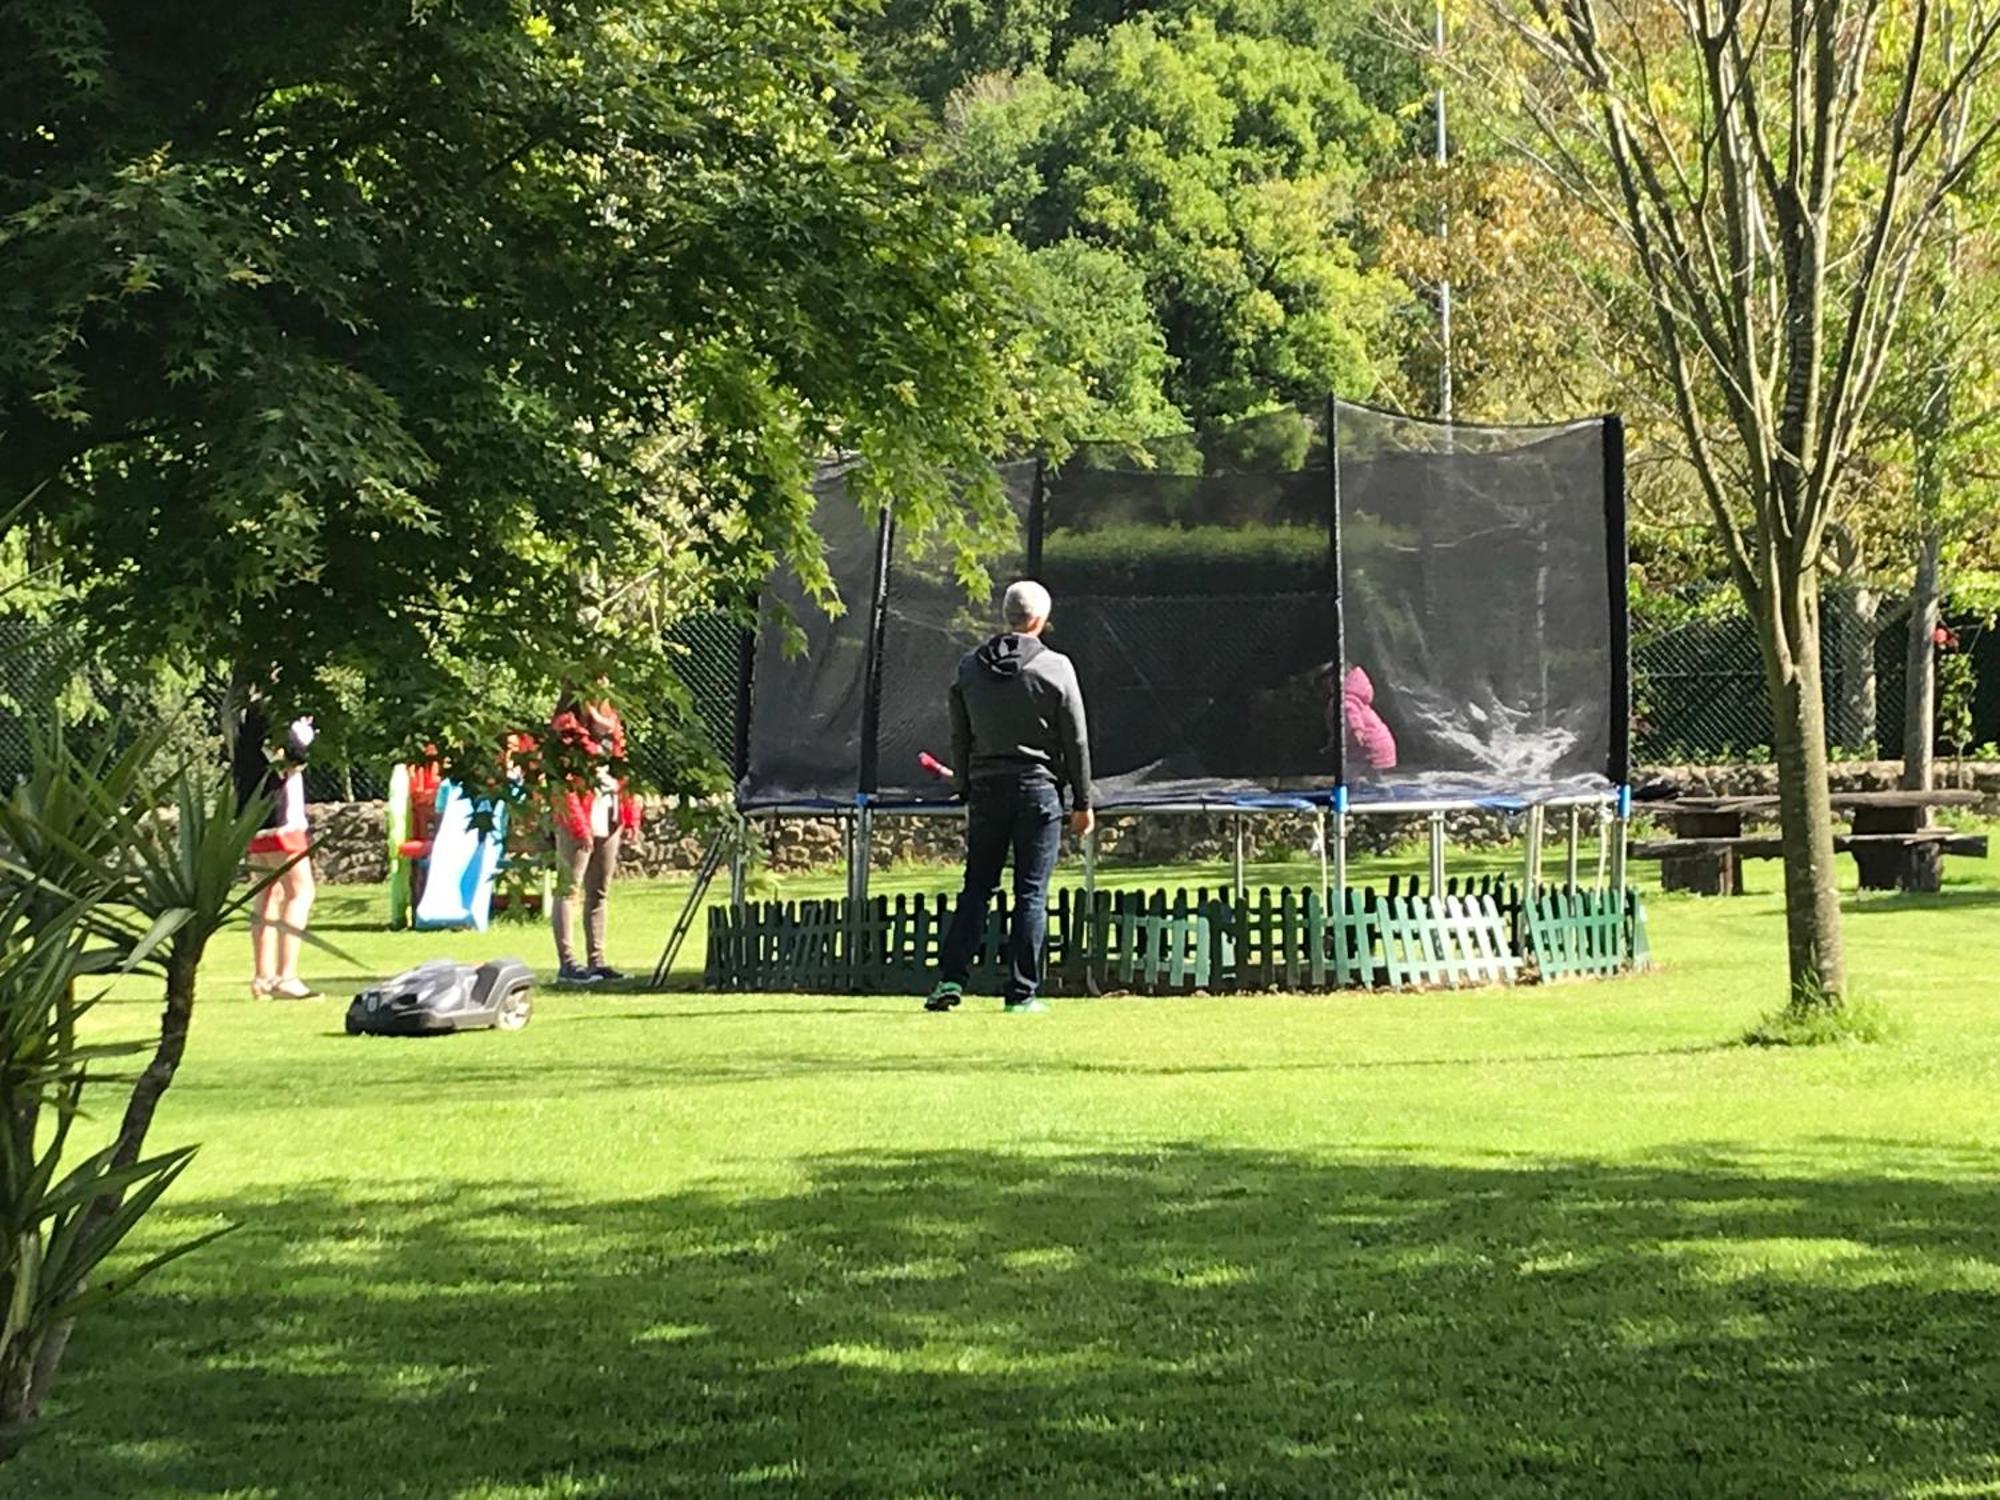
column 1016, row 710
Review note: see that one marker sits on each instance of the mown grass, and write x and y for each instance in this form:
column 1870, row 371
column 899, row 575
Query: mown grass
column 1567, row 1241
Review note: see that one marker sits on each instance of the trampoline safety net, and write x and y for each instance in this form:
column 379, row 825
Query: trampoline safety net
column 1423, row 613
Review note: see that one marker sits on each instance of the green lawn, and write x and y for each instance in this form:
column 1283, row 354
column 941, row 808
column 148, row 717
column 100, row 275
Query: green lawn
column 1565, row 1241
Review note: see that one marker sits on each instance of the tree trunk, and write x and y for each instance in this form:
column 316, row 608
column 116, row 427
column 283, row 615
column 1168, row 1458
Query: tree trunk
column 1790, row 633
column 1856, row 649
column 1920, row 666
column 183, row 965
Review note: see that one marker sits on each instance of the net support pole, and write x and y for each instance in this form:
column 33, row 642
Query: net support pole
column 1531, row 857
column 1437, row 853
column 1236, row 855
column 1575, row 853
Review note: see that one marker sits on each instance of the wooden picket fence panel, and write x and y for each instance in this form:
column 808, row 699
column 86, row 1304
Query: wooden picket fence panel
column 1184, row 941
column 1585, row 932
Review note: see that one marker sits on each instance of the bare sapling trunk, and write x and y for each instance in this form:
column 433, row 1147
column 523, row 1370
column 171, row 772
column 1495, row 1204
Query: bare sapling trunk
column 1790, row 639
column 1920, row 666
column 1859, row 692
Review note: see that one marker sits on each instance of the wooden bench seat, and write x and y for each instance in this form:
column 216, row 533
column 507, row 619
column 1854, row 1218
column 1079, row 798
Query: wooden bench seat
column 1769, row 846
column 1707, row 865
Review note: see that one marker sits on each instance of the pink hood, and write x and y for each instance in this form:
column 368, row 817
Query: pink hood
column 1371, row 745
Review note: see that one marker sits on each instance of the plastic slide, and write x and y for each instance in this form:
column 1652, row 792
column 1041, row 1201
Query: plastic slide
column 458, row 885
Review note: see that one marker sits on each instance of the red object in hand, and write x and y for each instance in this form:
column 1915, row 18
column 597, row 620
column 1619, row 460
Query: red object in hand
column 933, row 765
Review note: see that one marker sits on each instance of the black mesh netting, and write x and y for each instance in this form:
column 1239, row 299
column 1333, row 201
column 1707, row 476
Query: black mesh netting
column 1193, row 584
column 1475, row 575
column 806, row 705
column 929, row 622
column 1204, row 586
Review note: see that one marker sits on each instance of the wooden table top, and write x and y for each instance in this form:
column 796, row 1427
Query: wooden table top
column 1762, row 802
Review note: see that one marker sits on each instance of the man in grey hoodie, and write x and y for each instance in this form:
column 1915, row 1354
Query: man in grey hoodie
column 1018, row 737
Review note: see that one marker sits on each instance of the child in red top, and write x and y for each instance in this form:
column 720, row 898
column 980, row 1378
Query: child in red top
column 593, row 814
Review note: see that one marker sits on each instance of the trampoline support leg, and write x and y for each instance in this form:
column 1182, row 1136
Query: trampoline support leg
column 1531, row 859
column 1437, row 853
column 1575, row 846
column 859, row 850
column 1340, row 860
column 739, row 855
column 1236, row 859
column 1084, row 933
column 1603, row 845
column 1325, row 866
column 1621, row 827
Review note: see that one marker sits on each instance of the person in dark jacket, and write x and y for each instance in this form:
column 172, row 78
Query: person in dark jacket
column 1018, row 740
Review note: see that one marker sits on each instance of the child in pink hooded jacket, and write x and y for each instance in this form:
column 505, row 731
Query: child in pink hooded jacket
column 1371, row 747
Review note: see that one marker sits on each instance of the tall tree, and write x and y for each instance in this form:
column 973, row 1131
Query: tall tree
column 1944, row 402
column 441, row 348
column 1779, row 168
column 1224, row 166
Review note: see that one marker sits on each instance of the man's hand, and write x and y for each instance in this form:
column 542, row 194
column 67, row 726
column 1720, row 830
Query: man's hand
column 1083, row 821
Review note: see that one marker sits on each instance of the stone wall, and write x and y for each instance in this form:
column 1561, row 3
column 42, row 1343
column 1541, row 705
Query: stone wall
column 349, row 837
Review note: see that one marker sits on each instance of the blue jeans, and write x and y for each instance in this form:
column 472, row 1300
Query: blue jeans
column 1024, row 817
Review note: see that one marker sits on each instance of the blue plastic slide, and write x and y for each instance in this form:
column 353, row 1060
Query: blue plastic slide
column 458, row 882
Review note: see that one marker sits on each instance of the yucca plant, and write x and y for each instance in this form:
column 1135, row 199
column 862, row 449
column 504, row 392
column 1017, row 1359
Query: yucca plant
column 106, row 867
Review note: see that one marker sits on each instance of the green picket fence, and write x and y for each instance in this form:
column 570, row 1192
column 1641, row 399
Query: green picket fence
column 1572, row 932
column 1184, row 941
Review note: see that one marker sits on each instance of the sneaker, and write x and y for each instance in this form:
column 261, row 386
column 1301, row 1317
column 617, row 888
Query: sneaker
column 1024, row 1008
column 574, row 974
column 945, row 996
column 605, row 974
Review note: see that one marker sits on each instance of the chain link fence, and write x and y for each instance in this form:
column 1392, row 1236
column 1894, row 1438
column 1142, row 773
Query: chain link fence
column 710, row 656
column 45, row 682
column 1698, row 689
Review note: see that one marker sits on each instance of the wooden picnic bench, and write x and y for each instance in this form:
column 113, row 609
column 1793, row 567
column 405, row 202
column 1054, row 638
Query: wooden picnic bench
column 1894, row 844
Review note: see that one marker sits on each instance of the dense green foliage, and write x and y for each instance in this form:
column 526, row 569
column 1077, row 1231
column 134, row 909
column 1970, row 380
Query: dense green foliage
column 1215, row 162
column 1528, row 1243
column 444, row 352
column 436, row 351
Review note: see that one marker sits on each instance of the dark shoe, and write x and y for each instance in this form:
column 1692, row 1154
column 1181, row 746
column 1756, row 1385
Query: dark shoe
column 605, row 974
column 573, row 975
column 1025, row 1008
column 945, row 996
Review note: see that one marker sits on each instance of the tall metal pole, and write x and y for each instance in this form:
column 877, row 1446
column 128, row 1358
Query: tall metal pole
column 1444, row 231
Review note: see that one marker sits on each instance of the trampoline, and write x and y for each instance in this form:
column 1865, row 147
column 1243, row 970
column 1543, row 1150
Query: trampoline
column 1217, row 592
column 1214, row 592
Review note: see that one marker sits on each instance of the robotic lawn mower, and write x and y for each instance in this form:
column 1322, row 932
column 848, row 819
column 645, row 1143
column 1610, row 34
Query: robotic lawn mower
column 443, row 996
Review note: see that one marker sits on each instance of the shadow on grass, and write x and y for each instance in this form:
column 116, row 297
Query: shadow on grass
column 402, row 1070
column 1184, row 1320
column 1905, row 904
